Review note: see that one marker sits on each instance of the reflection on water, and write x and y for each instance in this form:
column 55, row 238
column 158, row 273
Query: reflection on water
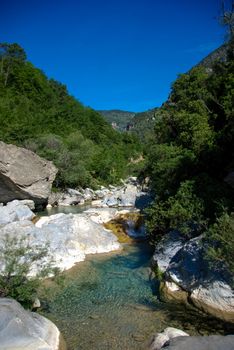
column 111, row 302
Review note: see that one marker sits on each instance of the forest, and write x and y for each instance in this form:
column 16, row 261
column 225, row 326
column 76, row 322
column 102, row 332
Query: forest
column 38, row 113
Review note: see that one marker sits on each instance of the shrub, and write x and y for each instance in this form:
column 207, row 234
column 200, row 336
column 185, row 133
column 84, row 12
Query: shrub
column 220, row 237
column 182, row 211
column 22, row 267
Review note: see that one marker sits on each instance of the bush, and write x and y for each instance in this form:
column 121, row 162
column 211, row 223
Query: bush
column 182, row 211
column 22, row 267
column 220, row 237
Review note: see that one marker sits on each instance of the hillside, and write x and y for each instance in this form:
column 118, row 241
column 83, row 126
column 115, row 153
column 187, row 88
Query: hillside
column 38, row 113
column 119, row 119
column 190, row 156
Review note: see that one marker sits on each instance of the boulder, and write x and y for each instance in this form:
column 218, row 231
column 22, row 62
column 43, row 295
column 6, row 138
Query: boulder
column 24, row 175
column 160, row 340
column 15, row 211
column 167, row 248
column 70, row 237
column 217, row 299
column 208, row 289
column 212, row 342
column 101, row 215
column 21, row 329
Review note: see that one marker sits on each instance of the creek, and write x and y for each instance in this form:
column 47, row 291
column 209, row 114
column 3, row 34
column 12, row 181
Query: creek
column 111, row 301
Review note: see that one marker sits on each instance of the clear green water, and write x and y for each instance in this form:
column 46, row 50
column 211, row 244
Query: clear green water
column 111, row 302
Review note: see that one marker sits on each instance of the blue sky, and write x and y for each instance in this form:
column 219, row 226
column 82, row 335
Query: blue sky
column 114, row 54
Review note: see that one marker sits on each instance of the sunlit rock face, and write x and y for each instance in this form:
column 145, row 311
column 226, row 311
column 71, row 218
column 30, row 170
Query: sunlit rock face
column 70, row 237
column 73, row 236
column 21, row 329
column 24, row 175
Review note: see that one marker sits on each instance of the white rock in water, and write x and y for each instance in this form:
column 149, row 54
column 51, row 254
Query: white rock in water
column 15, row 211
column 25, row 330
column 162, row 339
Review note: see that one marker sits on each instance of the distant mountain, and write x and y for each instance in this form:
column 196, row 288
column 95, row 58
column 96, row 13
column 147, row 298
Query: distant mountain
column 143, row 124
column 218, row 55
column 119, row 119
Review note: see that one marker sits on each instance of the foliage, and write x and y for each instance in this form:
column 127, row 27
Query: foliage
column 191, row 153
column 221, row 241
column 22, row 267
column 183, row 211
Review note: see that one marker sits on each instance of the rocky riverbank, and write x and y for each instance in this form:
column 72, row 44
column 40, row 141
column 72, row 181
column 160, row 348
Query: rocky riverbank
column 129, row 194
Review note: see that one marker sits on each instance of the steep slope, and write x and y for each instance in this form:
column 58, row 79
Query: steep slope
column 39, row 114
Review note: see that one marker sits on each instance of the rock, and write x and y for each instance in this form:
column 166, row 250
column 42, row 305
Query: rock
column 24, row 175
column 167, row 248
column 29, row 203
column 15, row 211
column 88, row 194
column 206, row 288
column 21, row 329
column 36, row 304
column 169, row 291
column 216, row 299
column 73, row 192
column 101, row 215
column 70, row 237
column 160, row 340
column 100, row 194
column 112, row 201
column 67, row 200
column 212, row 342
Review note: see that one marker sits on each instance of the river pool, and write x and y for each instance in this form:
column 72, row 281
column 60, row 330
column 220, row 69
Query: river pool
column 111, row 301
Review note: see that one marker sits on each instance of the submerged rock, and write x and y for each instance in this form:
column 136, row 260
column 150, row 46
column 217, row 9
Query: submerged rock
column 21, row 329
column 24, row 175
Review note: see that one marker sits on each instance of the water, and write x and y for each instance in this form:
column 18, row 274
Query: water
column 73, row 209
column 110, row 301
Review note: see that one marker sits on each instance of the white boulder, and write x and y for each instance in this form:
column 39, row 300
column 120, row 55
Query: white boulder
column 25, row 330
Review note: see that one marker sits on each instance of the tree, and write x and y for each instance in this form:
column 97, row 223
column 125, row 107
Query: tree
column 227, row 18
column 10, row 54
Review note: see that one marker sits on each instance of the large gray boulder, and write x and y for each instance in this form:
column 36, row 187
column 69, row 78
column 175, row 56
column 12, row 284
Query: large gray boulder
column 189, row 278
column 21, row 329
column 24, row 175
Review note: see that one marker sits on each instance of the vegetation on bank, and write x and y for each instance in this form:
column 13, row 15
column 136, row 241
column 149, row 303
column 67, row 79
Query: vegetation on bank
column 23, row 265
column 39, row 114
column 190, row 156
